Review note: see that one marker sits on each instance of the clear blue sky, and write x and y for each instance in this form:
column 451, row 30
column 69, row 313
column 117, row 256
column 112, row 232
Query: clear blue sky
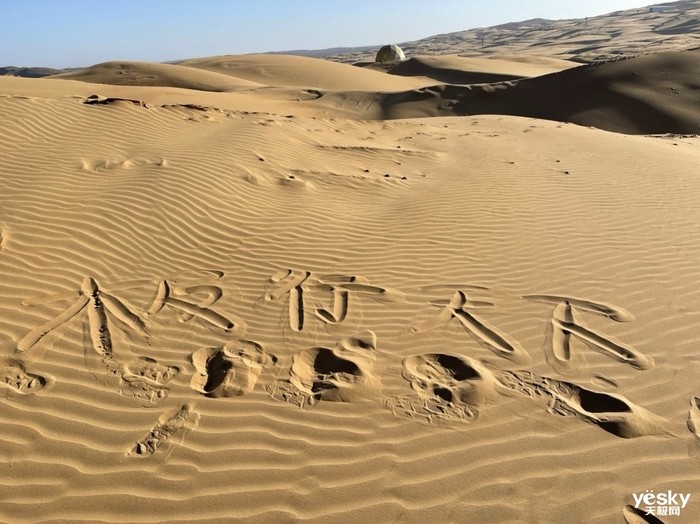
column 72, row 33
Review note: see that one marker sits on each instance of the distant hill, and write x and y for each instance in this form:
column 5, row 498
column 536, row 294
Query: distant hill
column 30, row 72
column 659, row 27
column 322, row 53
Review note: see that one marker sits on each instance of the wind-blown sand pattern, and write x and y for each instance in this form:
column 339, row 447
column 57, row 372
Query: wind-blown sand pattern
column 486, row 318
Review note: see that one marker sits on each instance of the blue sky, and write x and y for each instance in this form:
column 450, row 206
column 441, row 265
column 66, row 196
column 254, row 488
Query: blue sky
column 72, row 33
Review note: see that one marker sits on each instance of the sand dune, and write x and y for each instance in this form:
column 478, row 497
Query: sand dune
column 257, row 305
column 152, row 74
column 297, row 71
column 650, row 94
column 618, row 34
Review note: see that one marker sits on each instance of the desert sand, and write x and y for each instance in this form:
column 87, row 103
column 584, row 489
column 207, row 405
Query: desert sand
column 271, row 288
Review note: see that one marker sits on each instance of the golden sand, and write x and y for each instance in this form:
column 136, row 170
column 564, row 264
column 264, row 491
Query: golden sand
column 274, row 288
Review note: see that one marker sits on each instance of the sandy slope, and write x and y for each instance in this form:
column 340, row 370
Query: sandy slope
column 258, row 306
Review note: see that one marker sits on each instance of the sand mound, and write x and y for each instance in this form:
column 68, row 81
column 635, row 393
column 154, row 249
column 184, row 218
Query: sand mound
column 162, row 75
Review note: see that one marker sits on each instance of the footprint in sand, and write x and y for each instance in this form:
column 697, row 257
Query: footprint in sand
column 169, row 423
column 231, row 370
column 341, row 374
column 448, row 387
column 452, row 387
column 103, row 100
column 694, row 417
column 613, row 413
column 146, row 379
column 14, row 376
column 97, row 166
column 634, row 515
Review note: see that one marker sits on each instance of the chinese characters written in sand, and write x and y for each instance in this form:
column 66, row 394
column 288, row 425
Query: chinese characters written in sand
column 446, row 386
